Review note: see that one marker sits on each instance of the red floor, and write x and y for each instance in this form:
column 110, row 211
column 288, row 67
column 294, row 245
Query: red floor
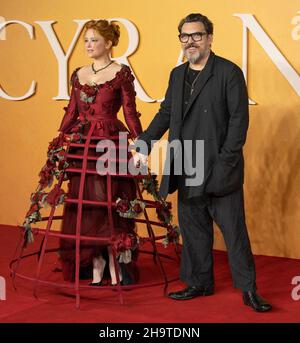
column 148, row 305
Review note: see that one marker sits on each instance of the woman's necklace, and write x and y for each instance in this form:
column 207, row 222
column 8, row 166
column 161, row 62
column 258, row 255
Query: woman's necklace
column 96, row 71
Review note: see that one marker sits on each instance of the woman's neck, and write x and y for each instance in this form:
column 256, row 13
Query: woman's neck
column 101, row 61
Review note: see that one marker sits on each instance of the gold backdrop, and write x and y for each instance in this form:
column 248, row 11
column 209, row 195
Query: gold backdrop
column 272, row 150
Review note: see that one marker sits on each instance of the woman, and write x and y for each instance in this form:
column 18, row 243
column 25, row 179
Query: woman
column 97, row 204
column 98, row 91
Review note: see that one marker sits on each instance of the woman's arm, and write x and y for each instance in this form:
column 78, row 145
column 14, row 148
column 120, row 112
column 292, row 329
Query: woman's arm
column 128, row 94
column 71, row 111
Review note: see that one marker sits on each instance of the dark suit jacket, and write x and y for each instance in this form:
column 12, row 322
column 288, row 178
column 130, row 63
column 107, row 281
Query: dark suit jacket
column 217, row 113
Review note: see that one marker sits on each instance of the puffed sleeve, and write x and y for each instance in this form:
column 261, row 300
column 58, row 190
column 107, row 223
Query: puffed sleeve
column 71, row 111
column 128, row 102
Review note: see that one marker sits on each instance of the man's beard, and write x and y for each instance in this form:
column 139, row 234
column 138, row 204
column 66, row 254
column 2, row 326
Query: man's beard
column 194, row 57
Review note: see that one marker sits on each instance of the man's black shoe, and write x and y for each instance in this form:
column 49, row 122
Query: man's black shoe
column 191, row 292
column 258, row 304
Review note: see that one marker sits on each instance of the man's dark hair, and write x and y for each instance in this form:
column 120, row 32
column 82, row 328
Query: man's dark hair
column 197, row 17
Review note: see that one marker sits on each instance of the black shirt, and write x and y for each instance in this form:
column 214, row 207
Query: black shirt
column 189, row 78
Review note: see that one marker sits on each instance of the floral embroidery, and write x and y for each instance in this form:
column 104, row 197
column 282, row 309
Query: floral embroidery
column 54, row 167
column 124, row 241
column 163, row 209
column 76, row 131
column 129, row 209
column 133, row 208
column 172, row 236
column 88, row 93
column 56, row 196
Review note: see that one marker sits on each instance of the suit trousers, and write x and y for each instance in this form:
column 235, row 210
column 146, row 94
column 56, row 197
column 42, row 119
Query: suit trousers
column 196, row 216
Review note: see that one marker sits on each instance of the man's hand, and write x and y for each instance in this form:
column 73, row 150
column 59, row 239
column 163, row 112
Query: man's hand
column 140, row 159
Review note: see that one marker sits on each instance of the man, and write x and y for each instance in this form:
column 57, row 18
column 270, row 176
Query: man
column 207, row 100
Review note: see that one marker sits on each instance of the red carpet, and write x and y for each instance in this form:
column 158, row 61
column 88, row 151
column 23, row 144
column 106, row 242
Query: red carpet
column 148, row 305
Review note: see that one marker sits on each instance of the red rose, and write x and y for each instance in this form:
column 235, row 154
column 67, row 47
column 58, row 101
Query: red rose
column 158, row 205
column 123, row 206
column 75, row 129
column 172, row 235
column 33, row 208
column 123, row 242
column 45, row 174
column 61, row 165
column 37, row 196
column 163, row 205
column 75, row 137
column 163, row 215
column 137, row 208
column 89, row 90
column 56, row 142
column 61, row 154
column 168, row 205
column 54, row 196
column 81, row 117
column 45, row 177
column 49, row 165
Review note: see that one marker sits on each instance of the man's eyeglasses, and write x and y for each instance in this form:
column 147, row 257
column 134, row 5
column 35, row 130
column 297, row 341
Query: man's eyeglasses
column 196, row 36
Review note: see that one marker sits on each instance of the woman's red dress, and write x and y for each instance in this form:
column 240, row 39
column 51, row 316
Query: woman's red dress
column 92, row 113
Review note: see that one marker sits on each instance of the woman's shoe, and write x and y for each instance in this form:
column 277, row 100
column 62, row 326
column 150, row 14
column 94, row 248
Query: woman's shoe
column 95, row 283
column 115, row 284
